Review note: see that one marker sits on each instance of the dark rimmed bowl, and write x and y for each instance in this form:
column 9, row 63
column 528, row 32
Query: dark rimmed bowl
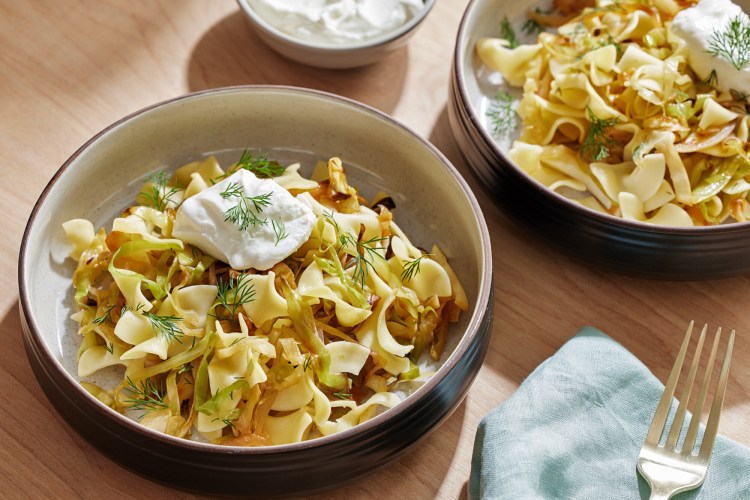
column 434, row 205
column 629, row 247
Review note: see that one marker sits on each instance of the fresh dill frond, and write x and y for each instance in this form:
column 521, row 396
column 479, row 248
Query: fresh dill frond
column 157, row 194
column 233, row 293
column 248, row 208
column 733, row 42
column 411, row 268
column 148, row 397
column 532, row 27
column 260, row 165
column 109, row 347
column 165, row 326
column 501, row 114
column 365, row 252
column 105, row 317
column 342, row 395
column 711, row 80
column 596, row 145
column 308, row 362
column 508, row 34
column 279, row 229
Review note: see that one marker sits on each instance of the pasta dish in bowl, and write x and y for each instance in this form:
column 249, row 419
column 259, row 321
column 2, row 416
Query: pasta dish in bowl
column 255, row 292
column 630, row 115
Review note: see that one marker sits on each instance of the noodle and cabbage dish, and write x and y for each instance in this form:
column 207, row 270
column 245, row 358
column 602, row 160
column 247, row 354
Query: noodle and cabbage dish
column 613, row 115
column 322, row 340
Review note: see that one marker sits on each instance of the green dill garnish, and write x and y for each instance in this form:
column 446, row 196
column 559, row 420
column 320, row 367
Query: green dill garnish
column 711, row 79
column 342, row 395
column 109, row 347
column 308, row 362
column 508, row 34
column 157, row 194
column 165, row 326
column 411, row 268
column 532, row 27
column 279, row 229
column 365, row 252
column 260, row 165
column 245, row 213
column 596, row 145
column 501, row 114
column 232, row 293
column 733, row 42
column 148, row 397
column 105, row 317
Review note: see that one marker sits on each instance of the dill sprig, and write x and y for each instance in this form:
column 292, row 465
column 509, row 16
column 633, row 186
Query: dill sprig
column 105, row 317
column 711, row 80
column 165, row 326
column 148, row 397
column 260, row 165
column 532, row 27
column 595, row 146
column 157, row 194
column 501, row 114
column 411, row 268
column 308, row 362
column 279, row 229
column 508, row 34
column 246, row 212
column 365, row 253
column 342, row 395
column 232, row 293
column 733, row 42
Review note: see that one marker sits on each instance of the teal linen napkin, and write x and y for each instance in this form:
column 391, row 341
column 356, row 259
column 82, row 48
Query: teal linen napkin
column 575, row 426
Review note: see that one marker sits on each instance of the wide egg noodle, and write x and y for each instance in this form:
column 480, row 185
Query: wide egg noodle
column 267, row 303
column 313, row 285
column 81, row 234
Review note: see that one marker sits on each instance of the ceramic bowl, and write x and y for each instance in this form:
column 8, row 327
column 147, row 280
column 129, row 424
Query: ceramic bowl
column 433, row 205
column 333, row 55
column 635, row 248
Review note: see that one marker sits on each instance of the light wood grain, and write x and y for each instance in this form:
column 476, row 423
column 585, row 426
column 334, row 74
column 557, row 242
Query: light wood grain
column 68, row 69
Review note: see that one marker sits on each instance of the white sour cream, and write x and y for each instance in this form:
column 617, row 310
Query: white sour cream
column 200, row 221
column 336, row 21
column 696, row 25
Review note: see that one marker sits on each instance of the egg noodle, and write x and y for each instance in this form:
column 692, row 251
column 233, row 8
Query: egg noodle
column 614, row 117
column 318, row 343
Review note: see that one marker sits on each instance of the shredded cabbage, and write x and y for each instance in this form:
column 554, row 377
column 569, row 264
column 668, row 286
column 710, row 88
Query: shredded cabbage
column 312, row 346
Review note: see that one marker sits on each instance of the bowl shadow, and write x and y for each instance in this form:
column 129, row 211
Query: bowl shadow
column 231, row 53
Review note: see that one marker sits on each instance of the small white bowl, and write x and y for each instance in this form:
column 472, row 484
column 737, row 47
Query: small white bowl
column 333, row 55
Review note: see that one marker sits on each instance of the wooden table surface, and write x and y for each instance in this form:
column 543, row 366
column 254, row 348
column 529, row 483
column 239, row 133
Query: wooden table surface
column 68, row 69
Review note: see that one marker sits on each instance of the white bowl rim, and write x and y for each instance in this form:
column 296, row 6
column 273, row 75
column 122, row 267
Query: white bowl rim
column 482, row 308
column 334, row 48
column 476, row 126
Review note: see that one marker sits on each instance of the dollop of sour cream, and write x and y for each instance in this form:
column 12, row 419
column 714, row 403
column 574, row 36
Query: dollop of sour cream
column 284, row 223
column 337, row 21
column 695, row 26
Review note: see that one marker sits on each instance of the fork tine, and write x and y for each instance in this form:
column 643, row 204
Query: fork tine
column 665, row 403
column 679, row 417
column 712, row 426
column 692, row 433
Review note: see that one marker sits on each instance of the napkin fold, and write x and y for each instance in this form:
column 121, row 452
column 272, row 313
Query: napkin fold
column 575, row 426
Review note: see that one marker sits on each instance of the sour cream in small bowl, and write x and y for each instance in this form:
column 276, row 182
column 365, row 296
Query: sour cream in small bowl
column 335, row 34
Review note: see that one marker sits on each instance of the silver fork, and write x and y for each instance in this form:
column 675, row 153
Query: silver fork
column 668, row 470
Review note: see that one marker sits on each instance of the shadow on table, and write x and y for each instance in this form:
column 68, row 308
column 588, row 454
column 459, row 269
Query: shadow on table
column 230, row 53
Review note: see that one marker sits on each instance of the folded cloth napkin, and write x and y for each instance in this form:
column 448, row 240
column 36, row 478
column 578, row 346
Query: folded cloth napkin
column 575, row 426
